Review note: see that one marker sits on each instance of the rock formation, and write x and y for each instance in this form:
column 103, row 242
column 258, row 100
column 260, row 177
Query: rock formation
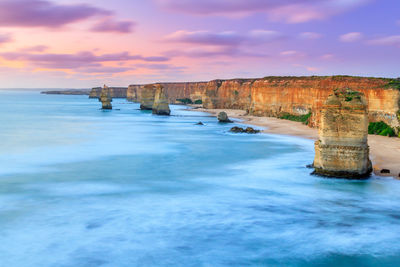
column 147, row 97
column 116, row 92
column 342, row 149
column 223, row 117
column 160, row 106
column 248, row 130
column 274, row 96
column 105, row 98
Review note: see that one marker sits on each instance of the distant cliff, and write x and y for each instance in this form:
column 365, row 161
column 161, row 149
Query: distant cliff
column 67, row 92
column 279, row 96
column 116, row 92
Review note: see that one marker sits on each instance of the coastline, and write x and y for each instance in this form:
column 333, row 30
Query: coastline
column 384, row 151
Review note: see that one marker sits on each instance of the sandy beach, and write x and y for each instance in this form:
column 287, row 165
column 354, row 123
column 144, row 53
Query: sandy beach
column 385, row 151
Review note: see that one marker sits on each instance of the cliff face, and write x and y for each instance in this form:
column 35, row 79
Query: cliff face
column 174, row 91
column 275, row 96
column 116, row 92
column 342, row 149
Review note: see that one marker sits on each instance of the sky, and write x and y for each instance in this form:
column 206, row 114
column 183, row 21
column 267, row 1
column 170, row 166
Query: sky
column 88, row 43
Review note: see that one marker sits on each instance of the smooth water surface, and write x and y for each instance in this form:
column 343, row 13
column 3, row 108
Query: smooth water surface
column 84, row 187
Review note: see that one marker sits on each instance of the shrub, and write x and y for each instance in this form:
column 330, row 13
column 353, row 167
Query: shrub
column 198, row 102
column 300, row 118
column 185, row 101
column 380, row 128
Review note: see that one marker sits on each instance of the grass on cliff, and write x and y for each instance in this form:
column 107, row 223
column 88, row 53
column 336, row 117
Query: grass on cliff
column 185, row 101
column 380, row 128
column 394, row 83
column 300, row 118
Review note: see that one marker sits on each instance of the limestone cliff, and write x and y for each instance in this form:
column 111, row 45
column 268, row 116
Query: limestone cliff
column 146, row 96
column 276, row 96
column 116, row 92
column 342, row 149
column 160, row 105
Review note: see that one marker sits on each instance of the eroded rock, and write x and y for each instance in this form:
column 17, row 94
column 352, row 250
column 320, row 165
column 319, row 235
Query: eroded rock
column 248, row 130
column 342, row 149
column 223, row 117
column 147, row 97
column 160, row 106
column 105, row 98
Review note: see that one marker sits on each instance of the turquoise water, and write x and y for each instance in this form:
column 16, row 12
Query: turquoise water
column 85, row 187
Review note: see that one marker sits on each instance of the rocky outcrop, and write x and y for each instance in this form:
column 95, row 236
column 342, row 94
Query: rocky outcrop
column 223, row 117
column 174, row 91
column 276, row 96
column 248, row 130
column 342, row 149
column 160, row 106
column 116, row 92
column 105, row 98
column 147, row 95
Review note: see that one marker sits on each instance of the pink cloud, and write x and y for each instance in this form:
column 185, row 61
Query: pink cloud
column 351, row 37
column 109, row 25
column 36, row 48
column 5, row 38
column 290, row 11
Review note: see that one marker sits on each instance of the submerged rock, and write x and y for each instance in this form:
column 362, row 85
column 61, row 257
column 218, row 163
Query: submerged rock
column 223, row 117
column 160, row 106
column 248, row 130
column 199, row 123
column 105, row 98
column 342, row 149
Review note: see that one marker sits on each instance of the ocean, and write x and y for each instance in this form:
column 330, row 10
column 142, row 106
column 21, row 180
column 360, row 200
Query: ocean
column 84, row 187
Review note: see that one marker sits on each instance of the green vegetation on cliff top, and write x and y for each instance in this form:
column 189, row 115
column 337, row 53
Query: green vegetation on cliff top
column 305, row 119
column 380, row 128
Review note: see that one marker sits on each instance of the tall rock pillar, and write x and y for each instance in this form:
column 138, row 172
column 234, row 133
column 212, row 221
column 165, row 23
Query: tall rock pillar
column 160, row 106
column 342, row 149
column 147, row 97
column 105, row 98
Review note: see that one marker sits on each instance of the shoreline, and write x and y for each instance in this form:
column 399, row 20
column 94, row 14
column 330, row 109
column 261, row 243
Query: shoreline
column 384, row 151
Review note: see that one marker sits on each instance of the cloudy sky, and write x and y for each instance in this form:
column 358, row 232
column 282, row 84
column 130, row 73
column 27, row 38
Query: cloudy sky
column 85, row 43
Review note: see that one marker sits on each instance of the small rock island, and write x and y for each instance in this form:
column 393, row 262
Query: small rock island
column 342, row 149
column 105, row 98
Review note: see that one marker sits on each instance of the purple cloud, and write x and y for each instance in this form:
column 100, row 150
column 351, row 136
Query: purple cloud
column 290, row 11
column 393, row 40
column 5, row 38
column 104, row 69
column 78, row 60
column 109, row 25
column 310, row 35
column 226, row 38
column 351, row 37
column 43, row 13
column 33, row 13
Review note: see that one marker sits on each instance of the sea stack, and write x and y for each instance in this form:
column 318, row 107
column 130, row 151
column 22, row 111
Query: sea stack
column 147, row 97
column 342, row 149
column 160, row 106
column 105, row 98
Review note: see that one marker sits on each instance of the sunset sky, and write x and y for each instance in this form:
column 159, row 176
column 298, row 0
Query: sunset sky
column 86, row 43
